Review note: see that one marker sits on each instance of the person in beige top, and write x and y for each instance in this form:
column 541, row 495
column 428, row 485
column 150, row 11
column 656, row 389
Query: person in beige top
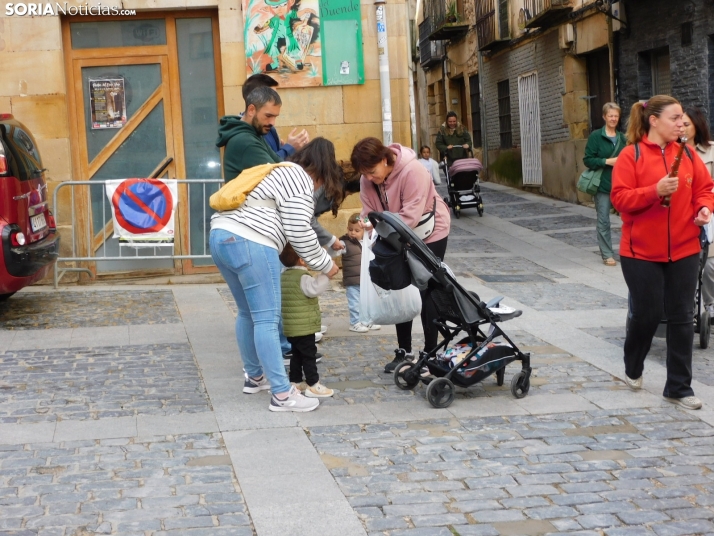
column 696, row 129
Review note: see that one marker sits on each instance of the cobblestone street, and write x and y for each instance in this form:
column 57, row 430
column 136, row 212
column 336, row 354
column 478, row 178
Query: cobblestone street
column 121, row 412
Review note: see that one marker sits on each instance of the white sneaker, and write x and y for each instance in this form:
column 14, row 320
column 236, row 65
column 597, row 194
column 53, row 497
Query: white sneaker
column 294, row 402
column 689, row 402
column 318, row 336
column 252, row 385
column 374, row 327
column 323, row 328
column 359, row 328
column 635, row 385
column 318, row 391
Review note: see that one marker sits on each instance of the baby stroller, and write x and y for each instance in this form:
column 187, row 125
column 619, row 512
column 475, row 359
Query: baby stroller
column 702, row 319
column 458, row 311
column 462, row 182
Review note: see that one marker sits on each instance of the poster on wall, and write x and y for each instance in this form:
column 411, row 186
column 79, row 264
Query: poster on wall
column 282, row 39
column 303, row 43
column 107, row 103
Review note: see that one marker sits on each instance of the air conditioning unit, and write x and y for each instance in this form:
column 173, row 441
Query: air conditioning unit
column 566, row 35
column 619, row 22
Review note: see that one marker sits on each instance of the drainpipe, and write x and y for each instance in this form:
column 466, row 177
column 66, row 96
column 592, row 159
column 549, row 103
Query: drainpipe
column 611, row 57
column 482, row 105
column 412, row 100
column 386, row 94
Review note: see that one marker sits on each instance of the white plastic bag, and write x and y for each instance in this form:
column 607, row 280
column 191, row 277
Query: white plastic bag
column 379, row 306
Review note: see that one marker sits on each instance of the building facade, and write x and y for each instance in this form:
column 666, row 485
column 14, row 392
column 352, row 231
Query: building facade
column 667, row 50
column 180, row 67
column 546, row 69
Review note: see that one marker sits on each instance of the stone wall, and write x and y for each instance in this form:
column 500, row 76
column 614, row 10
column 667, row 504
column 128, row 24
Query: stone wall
column 344, row 114
column 37, row 96
column 542, row 55
column 657, row 24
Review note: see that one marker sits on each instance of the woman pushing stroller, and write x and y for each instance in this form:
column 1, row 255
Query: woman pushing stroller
column 393, row 180
column 659, row 249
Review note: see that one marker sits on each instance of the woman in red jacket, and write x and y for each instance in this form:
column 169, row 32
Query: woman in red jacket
column 660, row 245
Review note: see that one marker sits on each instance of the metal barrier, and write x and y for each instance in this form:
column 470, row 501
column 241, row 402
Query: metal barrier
column 95, row 244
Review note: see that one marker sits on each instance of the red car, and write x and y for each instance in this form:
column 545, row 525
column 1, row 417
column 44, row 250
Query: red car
column 30, row 244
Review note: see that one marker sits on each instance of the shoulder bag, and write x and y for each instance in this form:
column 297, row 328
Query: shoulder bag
column 589, row 180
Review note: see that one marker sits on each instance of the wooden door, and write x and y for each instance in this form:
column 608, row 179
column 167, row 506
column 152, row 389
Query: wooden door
column 137, row 149
column 598, row 66
column 169, row 66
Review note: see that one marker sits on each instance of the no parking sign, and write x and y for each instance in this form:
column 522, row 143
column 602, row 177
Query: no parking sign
column 143, row 208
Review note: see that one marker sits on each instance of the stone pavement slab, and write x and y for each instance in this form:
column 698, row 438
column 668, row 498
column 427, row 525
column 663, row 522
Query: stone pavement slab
column 164, row 485
column 74, row 309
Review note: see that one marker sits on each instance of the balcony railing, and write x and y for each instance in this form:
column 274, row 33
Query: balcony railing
column 491, row 28
column 430, row 52
column 542, row 13
column 447, row 22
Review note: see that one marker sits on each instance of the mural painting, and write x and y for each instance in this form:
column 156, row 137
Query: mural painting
column 282, row 39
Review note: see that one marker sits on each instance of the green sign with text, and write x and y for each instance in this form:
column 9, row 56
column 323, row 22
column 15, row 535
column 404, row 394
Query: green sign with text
column 341, row 42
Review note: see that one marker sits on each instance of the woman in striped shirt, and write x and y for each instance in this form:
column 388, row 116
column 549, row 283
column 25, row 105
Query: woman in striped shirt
column 245, row 244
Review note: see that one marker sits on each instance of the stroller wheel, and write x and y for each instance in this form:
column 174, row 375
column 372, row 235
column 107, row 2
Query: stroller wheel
column 406, row 376
column 457, row 212
column 440, row 393
column 519, row 385
column 500, row 376
column 447, row 201
column 479, row 207
column 704, row 329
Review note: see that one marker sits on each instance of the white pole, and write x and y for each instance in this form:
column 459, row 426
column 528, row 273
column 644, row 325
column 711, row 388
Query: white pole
column 383, row 48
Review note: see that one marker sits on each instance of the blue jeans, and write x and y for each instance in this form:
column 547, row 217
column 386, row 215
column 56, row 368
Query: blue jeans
column 285, row 346
column 353, row 303
column 604, row 238
column 252, row 272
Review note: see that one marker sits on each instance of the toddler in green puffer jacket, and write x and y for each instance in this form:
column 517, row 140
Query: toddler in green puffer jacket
column 301, row 320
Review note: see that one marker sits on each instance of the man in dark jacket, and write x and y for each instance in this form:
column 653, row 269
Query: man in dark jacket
column 453, row 141
column 243, row 138
column 296, row 140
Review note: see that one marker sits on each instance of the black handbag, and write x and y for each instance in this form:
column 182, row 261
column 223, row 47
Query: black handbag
column 389, row 269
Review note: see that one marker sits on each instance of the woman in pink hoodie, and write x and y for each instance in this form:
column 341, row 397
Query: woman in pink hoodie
column 393, row 180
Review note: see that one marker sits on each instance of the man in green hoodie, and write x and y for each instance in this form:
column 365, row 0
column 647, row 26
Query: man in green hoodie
column 242, row 138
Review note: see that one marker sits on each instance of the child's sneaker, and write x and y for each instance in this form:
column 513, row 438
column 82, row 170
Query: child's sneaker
column 294, row 402
column 299, row 386
column 318, row 337
column 252, row 386
column 359, row 327
column 318, row 391
column 323, row 329
column 374, row 326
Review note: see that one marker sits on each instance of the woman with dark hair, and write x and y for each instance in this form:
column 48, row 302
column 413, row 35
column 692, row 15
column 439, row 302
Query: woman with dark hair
column 659, row 250
column 393, row 180
column 245, row 243
column 604, row 144
column 696, row 130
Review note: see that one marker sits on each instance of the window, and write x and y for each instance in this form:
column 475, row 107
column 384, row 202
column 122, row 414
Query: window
column 504, row 114
column 687, row 33
column 654, row 77
column 475, row 110
column 503, row 19
column 661, row 79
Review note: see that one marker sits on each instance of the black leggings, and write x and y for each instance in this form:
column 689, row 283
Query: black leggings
column 662, row 290
column 428, row 311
